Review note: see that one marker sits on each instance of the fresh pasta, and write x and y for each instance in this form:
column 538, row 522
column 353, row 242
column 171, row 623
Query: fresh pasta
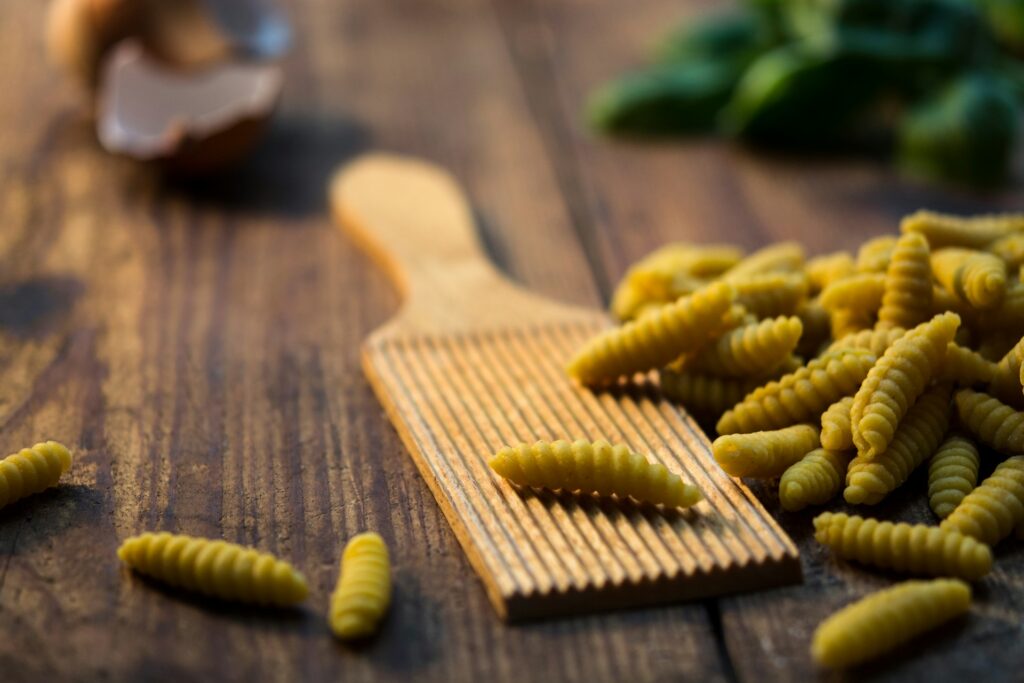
column 764, row 454
column 992, row 422
column 994, row 509
column 771, row 294
column 862, row 293
column 750, row 350
column 32, row 470
column 824, row 270
column 966, row 367
column 974, row 276
column 597, row 467
column 874, row 255
column 874, row 340
column 907, row 300
column 836, row 432
column 815, row 480
column 363, row 593
column 952, row 474
column 977, row 232
column 704, row 395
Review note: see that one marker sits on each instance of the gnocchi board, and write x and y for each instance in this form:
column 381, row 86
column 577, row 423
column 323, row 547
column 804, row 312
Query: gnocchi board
column 472, row 362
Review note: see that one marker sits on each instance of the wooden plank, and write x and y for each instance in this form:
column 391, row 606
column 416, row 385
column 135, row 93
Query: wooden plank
column 630, row 198
column 198, row 347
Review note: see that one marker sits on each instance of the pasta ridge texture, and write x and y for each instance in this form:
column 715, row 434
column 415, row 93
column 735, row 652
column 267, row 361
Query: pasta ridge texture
column 952, row 474
column 976, row 232
column 215, row 568
column 991, row 421
column 873, row 256
column 1006, row 385
column 800, row 396
column 751, row 350
column 994, row 509
column 885, row 620
column 764, row 454
column 862, row 292
column 868, row 481
column 656, row 339
column 363, row 592
column 815, row 480
column 974, row 276
column 828, row 268
column 911, row 548
column 836, row 431
column 704, row 395
column 907, row 300
column 769, row 295
column 874, row 340
column 597, row 467
column 32, row 470
column 966, row 367
column 778, row 257
column 896, row 380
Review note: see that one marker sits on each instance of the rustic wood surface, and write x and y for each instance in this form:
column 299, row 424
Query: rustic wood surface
column 197, row 346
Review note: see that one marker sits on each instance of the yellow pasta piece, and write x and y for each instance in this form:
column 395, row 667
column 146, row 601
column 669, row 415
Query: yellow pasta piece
column 215, row 568
column 952, row 474
column 976, row 232
column 1006, row 385
column 991, row 421
column 896, row 380
column 704, row 395
column 846, row 322
column 992, row 511
column 750, row 350
column 778, row 257
column 764, row 454
column 836, row 432
column 817, row 324
column 828, row 268
column 966, row 367
column 656, row 339
column 868, row 481
column 596, row 467
column 910, row 548
column 800, row 396
column 1010, row 249
column 815, row 480
column 363, row 593
column 862, row 293
column 771, row 294
column 887, row 619
column 876, row 341
column 974, row 276
column 907, row 300
column 873, row 255
column 32, row 470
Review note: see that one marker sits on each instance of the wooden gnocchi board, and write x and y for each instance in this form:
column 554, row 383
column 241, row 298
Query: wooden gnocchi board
column 472, row 362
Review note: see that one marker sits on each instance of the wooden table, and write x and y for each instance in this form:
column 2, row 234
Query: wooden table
column 197, row 346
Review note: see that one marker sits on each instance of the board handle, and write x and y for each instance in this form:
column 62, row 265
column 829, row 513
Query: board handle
column 414, row 220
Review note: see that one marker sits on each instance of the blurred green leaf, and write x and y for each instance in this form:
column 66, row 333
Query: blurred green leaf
column 737, row 37
column 1006, row 19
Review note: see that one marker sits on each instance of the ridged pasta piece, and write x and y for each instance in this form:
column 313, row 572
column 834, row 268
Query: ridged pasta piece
column 976, row 232
column 215, row 568
column 896, row 380
column 654, row 340
column 363, row 592
column 817, row 324
column 801, row 396
column 771, row 294
column 750, row 350
column 885, row 620
column 815, row 480
column 1006, row 384
column 32, row 470
column 704, row 395
column 778, row 257
column 836, row 432
column 876, row 341
column 911, row 548
column 764, row 455
column 828, row 268
column 952, row 474
column 868, row 481
column 873, row 256
column 991, row 421
column 965, row 367
column 907, row 300
column 1010, row 249
column 597, row 467
column 995, row 508
column 974, row 276
column 846, row 322
column 862, row 293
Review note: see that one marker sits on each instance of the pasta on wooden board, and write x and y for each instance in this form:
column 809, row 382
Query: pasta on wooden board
column 764, row 454
column 32, row 470
column 363, row 592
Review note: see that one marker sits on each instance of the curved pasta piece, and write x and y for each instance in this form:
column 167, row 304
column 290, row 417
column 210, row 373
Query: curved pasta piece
column 828, row 268
column 778, row 257
column 750, row 350
column 215, row 568
column 875, row 340
column 873, row 256
column 885, row 620
column 896, row 380
column 771, row 294
column 597, row 467
column 32, row 470
column 846, row 322
column 868, row 481
column 1010, row 249
column 764, row 454
column 836, row 431
column 1006, row 385
column 992, row 511
column 363, row 593
column 815, row 480
column 704, row 395
column 862, row 293
column 976, row 232
column 952, row 474
column 907, row 300
column 656, row 339
column 965, row 367
column 974, row 276
column 800, row 396
column 991, row 421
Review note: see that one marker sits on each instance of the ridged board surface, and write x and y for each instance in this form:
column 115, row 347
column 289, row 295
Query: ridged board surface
column 457, row 398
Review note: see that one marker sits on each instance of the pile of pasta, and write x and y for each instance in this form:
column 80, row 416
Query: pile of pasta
column 840, row 375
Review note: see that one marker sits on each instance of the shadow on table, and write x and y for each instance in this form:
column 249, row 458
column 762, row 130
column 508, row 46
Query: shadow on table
column 30, row 308
column 45, row 516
